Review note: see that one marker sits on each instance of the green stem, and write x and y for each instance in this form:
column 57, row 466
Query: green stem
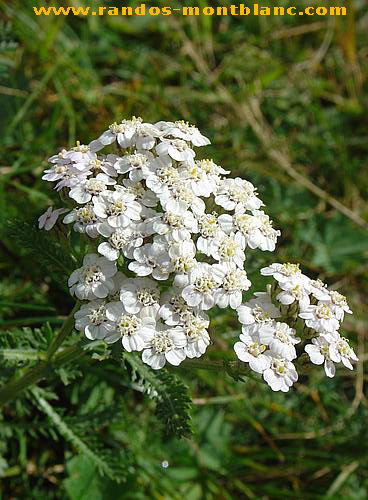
column 11, row 390
column 29, row 321
column 66, row 328
column 235, row 369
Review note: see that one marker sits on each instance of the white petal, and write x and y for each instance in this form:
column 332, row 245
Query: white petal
column 175, row 356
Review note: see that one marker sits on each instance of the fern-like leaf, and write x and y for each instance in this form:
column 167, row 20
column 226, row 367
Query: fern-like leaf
column 108, row 462
column 48, row 252
column 171, row 394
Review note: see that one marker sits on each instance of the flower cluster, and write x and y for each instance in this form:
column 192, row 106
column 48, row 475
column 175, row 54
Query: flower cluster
column 271, row 319
column 167, row 234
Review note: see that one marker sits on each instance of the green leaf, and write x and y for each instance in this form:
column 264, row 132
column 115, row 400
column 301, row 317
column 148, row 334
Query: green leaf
column 83, row 482
column 173, row 401
column 107, row 463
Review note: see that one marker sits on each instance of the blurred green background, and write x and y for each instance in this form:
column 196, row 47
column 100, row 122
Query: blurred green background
column 284, row 101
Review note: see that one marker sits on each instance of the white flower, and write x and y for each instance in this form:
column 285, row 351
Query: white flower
column 80, row 153
column 319, row 290
column 198, row 180
column 213, row 172
column 72, row 178
column 182, row 255
column 258, row 310
column 162, row 177
column 57, row 172
column 121, row 133
column 295, row 289
column 92, row 320
column 282, row 272
column 340, row 350
column 89, row 188
column 128, row 133
column 180, row 199
column 281, row 374
column 209, row 231
column 233, row 282
column 227, row 249
column 98, row 164
column 237, row 194
column 152, row 258
column 145, row 207
column 201, row 288
column 143, row 196
column 93, row 279
column 118, row 207
column 183, row 130
column 174, row 308
column 166, row 345
column 134, row 330
column 251, row 351
column 177, row 149
column 175, row 227
column 195, row 327
column 320, row 317
column 255, row 230
column 145, row 136
column 319, row 353
column 338, row 304
column 48, row 220
column 120, row 240
column 139, row 294
column 210, row 167
column 280, row 338
column 62, row 158
column 85, row 220
column 136, row 164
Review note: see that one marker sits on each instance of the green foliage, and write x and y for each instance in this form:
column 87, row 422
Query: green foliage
column 84, row 483
column 49, row 253
column 173, row 401
column 111, row 463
